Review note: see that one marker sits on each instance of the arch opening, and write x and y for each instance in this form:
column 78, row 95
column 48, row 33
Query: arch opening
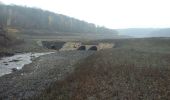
column 93, row 48
column 82, row 48
column 53, row 47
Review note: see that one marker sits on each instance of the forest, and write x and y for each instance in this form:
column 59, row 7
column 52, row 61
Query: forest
column 20, row 17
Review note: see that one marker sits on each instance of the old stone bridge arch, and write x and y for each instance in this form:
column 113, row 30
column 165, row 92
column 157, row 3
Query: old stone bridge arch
column 94, row 48
column 82, row 47
column 88, row 47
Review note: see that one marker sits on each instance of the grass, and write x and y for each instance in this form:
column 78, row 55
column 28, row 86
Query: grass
column 136, row 69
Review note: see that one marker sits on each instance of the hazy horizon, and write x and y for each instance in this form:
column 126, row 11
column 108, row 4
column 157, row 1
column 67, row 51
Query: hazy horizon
column 115, row 14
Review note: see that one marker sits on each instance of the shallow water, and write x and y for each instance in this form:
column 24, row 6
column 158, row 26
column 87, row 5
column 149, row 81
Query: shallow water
column 17, row 61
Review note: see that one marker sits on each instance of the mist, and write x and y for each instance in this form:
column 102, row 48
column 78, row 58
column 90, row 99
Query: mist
column 145, row 32
column 109, row 13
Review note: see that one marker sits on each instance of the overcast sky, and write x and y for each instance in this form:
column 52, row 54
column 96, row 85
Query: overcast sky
column 109, row 13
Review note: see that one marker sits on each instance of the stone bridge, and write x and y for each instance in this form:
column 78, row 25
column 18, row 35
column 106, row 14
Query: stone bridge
column 80, row 46
column 66, row 46
column 88, row 47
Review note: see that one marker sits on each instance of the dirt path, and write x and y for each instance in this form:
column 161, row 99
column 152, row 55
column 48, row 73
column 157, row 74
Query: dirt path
column 33, row 78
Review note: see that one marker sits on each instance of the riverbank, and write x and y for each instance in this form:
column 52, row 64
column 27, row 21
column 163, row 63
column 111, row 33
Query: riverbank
column 17, row 61
column 133, row 69
column 33, row 78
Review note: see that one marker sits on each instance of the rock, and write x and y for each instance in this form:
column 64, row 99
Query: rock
column 6, row 64
column 14, row 69
column 3, row 54
column 15, row 60
column 71, row 46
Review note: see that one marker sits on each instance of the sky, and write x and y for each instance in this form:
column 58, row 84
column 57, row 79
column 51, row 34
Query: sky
column 109, row 13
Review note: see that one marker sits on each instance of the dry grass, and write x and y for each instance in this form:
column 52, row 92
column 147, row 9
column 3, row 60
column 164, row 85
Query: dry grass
column 129, row 73
column 116, row 74
column 9, row 39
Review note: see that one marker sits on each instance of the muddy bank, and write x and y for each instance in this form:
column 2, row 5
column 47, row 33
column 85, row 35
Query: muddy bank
column 32, row 79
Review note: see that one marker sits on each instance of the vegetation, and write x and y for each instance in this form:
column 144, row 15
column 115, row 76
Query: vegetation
column 11, row 42
column 32, row 22
column 33, row 18
column 136, row 69
column 7, row 39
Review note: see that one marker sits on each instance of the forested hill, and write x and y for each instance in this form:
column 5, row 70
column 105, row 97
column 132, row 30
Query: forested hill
column 33, row 18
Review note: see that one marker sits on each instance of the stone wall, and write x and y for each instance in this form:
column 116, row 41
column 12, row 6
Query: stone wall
column 102, row 46
column 71, row 46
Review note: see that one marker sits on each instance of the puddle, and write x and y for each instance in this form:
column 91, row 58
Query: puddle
column 7, row 64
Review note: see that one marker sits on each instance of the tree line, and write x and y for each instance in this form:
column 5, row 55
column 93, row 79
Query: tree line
column 32, row 18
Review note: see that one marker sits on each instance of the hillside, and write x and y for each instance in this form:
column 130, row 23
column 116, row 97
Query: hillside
column 50, row 56
column 145, row 32
column 38, row 19
column 137, row 32
column 8, row 39
column 161, row 33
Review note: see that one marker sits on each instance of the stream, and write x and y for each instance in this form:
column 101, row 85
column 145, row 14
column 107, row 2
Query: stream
column 16, row 62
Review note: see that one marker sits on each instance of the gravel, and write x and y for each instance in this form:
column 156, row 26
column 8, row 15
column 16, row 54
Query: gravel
column 33, row 78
